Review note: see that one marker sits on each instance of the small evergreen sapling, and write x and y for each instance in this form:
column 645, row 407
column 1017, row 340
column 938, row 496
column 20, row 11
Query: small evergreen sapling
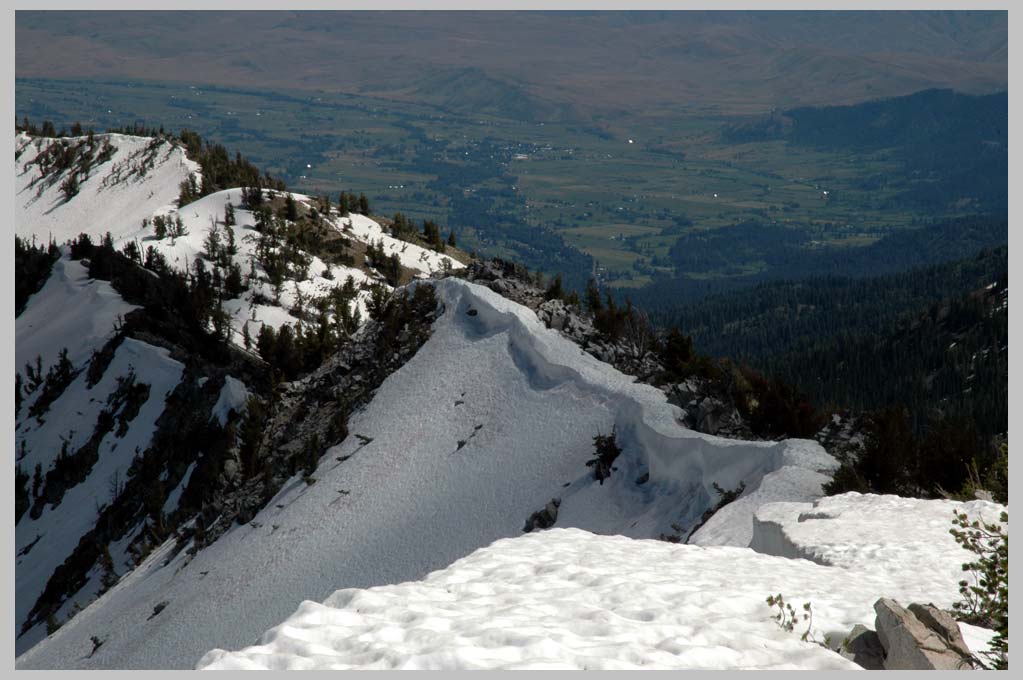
column 986, row 600
column 788, row 618
column 607, row 450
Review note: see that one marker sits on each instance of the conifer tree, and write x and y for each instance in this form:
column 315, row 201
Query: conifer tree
column 69, row 187
column 593, row 302
column 108, row 576
column 37, row 480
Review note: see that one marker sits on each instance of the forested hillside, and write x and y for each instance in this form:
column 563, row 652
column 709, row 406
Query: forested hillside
column 934, row 339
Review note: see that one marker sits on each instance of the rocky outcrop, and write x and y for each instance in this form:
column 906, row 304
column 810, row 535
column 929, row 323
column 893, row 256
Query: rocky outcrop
column 708, row 411
column 543, row 519
column 922, row 637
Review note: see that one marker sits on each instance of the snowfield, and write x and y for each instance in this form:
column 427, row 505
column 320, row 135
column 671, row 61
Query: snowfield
column 562, row 599
column 568, row 599
column 904, row 541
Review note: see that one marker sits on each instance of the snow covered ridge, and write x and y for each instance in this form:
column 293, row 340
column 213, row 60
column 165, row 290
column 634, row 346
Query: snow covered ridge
column 125, row 191
column 513, row 409
column 568, row 599
column 679, row 465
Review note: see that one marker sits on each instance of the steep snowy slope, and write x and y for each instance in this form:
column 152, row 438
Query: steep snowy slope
column 137, row 182
column 140, row 178
column 71, row 312
column 493, row 417
column 568, row 599
column 49, row 532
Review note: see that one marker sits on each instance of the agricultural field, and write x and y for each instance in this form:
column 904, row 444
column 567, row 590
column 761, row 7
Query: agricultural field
column 622, row 192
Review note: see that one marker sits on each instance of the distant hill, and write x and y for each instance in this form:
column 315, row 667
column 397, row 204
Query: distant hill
column 627, row 64
column 472, row 89
column 952, row 147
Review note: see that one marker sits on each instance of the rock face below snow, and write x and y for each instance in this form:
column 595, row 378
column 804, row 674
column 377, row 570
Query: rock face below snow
column 920, row 638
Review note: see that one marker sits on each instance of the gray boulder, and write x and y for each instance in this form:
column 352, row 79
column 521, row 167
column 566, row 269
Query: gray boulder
column 920, row 638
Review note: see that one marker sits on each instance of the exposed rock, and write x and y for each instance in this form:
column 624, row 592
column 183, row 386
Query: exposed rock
column 712, row 415
column 543, row 519
column 863, row 647
column 842, row 436
column 920, row 638
column 942, row 623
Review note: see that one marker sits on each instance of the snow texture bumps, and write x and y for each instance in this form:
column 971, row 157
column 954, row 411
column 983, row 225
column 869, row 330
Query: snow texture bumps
column 559, row 599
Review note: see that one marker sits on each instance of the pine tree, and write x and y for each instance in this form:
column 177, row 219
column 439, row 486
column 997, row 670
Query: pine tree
column 593, row 302
column 451, row 238
column 69, row 187
column 290, row 208
column 37, row 480
column 606, row 451
column 211, row 244
column 399, row 226
column 108, row 575
column 555, row 291
column 251, row 435
column 160, row 225
column 363, row 204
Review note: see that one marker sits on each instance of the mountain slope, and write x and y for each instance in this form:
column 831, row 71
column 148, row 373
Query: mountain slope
column 494, row 416
column 121, row 439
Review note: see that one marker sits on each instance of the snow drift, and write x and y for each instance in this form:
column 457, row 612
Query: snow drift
column 568, row 599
